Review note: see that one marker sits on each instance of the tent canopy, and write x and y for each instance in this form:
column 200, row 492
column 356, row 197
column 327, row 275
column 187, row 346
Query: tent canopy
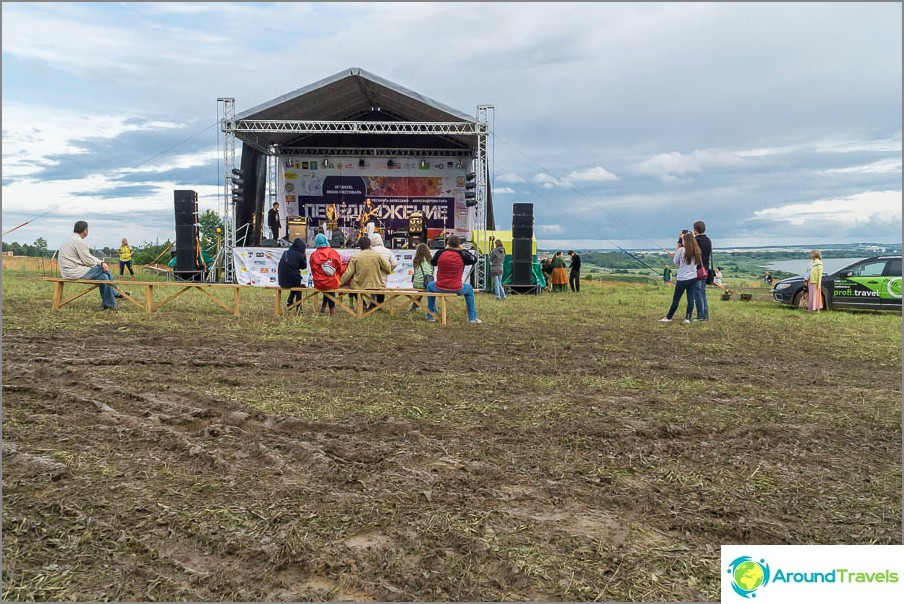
column 355, row 95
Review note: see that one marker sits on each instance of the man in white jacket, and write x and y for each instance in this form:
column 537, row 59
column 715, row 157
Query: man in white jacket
column 77, row 262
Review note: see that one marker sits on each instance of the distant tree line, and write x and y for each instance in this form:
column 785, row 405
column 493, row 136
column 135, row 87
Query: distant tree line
column 145, row 253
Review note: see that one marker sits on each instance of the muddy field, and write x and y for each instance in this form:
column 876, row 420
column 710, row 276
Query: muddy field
column 570, row 448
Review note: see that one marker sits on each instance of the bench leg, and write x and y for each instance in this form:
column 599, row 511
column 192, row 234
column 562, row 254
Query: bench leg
column 235, row 301
column 57, row 294
column 149, row 299
column 443, row 306
column 277, row 308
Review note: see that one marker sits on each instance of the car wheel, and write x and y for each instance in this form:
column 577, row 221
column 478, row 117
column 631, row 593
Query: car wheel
column 801, row 299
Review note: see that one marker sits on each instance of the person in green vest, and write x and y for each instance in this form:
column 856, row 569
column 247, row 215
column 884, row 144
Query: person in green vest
column 667, row 274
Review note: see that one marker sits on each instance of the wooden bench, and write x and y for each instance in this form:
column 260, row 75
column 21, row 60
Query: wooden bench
column 361, row 307
column 148, row 302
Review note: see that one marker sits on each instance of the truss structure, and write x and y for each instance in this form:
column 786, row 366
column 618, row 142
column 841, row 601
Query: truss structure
column 254, row 133
column 482, row 180
column 226, row 115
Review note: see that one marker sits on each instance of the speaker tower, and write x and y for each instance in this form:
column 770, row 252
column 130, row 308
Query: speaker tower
column 187, row 234
column 522, row 243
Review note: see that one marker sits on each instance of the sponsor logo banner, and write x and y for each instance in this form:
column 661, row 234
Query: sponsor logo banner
column 810, row 573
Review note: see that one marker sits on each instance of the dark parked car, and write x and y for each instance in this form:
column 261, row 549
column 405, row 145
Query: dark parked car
column 874, row 283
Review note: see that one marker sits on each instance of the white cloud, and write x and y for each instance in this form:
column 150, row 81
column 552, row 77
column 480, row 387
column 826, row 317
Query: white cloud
column 673, row 166
column 510, row 178
column 503, row 190
column 596, row 174
column 871, row 207
column 31, row 132
column 883, row 166
column 548, row 181
column 549, row 229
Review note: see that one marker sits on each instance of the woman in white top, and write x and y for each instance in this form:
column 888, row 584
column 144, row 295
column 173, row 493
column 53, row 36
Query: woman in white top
column 687, row 258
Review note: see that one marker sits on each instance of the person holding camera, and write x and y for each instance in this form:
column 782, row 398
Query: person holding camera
column 450, row 264
column 686, row 257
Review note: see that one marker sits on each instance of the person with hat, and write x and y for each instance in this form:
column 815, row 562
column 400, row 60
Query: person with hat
column 326, row 268
column 293, row 261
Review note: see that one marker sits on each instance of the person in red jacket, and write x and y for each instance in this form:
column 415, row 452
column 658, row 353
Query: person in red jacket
column 326, row 268
column 450, row 265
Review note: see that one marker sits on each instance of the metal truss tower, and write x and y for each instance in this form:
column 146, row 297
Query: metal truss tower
column 226, row 114
column 481, row 168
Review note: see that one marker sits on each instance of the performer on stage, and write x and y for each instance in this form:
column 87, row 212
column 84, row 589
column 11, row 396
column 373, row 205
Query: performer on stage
column 273, row 220
column 332, row 220
column 332, row 214
column 368, row 215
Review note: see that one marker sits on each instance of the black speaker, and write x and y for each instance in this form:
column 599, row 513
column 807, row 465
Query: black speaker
column 522, row 221
column 521, row 272
column 186, row 202
column 521, row 250
column 186, row 217
column 523, row 211
column 522, row 232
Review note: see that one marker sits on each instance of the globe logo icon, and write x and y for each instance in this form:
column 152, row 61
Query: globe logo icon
column 748, row 575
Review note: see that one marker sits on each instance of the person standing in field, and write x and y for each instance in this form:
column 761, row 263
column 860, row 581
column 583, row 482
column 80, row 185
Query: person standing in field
column 706, row 252
column 547, row 272
column 813, row 280
column 574, row 276
column 667, row 274
column 497, row 265
column 559, row 276
column 687, row 258
column 125, row 258
column 293, row 261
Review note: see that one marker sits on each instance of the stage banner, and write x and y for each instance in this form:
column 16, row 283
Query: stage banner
column 396, row 186
column 258, row 266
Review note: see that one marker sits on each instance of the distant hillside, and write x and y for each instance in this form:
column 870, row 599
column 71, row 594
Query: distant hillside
column 742, row 263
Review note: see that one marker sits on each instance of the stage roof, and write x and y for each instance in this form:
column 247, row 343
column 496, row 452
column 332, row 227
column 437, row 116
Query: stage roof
column 356, row 95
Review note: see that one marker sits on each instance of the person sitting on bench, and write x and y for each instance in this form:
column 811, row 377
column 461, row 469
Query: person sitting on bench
column 450, row 263
column 366, row 270
column 77, row 262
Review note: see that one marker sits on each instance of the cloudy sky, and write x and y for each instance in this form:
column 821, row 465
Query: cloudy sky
column 776, row 123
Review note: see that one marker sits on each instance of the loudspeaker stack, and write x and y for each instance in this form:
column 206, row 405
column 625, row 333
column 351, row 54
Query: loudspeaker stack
column 522, row 243
column 187, row 233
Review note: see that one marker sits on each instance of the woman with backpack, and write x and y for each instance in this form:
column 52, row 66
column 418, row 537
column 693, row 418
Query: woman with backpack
column 326, row 269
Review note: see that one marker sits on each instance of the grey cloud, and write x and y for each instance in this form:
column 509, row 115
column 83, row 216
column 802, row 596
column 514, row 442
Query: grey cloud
column 123, row 191
column 127, row 150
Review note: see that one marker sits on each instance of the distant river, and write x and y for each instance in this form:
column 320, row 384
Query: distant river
column 799, row 267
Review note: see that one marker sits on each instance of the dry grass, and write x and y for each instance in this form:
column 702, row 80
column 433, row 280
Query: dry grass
column 570, row 448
